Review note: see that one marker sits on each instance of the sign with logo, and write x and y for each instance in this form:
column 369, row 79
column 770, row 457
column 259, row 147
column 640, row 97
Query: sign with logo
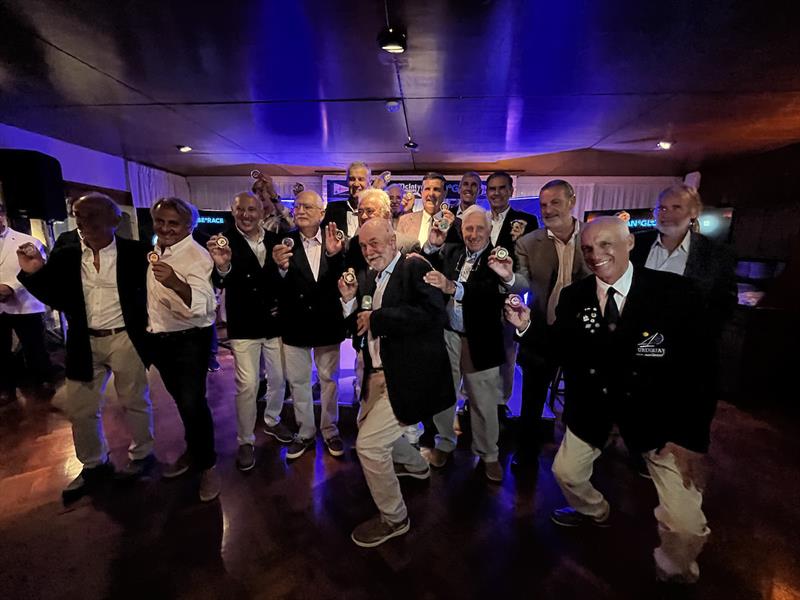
column 651, row 346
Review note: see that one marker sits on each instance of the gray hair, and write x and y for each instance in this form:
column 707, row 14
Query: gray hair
column 360, row 165
column 683, row 191
column 475, row 209
column 379, row 195
column 102, row 200
column 185, row 209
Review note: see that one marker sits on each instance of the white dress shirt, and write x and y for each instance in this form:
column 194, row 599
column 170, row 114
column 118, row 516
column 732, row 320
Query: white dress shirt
column 381, row 281
column 661, row 259
column 100, row 291
column 166, row 309
column 313, row 248
column 424, row 227
column 497, row 224
column 256, row 245
column 566, row 260
column 352, row 221
column 622, row 287
column 22, row 302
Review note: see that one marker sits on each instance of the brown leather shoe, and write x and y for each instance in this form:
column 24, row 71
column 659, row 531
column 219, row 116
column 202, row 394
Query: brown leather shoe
column 209, row 485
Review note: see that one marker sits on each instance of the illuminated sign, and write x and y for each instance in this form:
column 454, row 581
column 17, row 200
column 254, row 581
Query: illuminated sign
column 211, row 220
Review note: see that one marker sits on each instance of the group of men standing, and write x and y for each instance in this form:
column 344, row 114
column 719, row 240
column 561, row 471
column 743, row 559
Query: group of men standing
column 431, row 302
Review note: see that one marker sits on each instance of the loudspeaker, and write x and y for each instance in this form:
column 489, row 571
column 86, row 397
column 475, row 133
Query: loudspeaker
column 32, row 185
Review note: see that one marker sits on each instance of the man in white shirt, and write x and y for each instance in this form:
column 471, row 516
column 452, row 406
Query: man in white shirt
column 244, row 271
column 98, row 281
column 308, row 302
column 418, row 224
column 20, row 312
column 468, row 191
column 345, row 212
column 181, row 309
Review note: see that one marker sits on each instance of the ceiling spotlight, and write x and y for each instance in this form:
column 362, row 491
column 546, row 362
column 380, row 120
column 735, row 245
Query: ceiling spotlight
column 392, row 40
column 665, row 144
column 392, row 106
column 184, row 149
column 411, row 145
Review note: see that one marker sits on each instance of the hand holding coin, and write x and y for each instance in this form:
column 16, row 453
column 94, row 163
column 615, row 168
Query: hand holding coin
column 348, row 285
column 29, row 257
column 219, row 248
column 334, row 239
column 500, row 262
column 281, row 253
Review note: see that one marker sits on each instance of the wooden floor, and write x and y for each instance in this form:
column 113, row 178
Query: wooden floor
column 282, row 530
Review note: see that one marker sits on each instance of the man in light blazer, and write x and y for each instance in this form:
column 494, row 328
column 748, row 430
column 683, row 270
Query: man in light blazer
column 548, row 260
column 418, row 224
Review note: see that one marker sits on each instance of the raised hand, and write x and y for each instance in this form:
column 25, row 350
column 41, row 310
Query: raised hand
column 504, row 268
column 29, row 257
column 333, row 245
column 220, row 256
column 518, row 314
column 438, row 280
column 281, row 255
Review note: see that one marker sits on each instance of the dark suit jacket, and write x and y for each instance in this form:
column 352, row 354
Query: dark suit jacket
column 336, row 212
column 482, row 304
column 410, row 326
column 710, row 265
column 251, row 291
column 645, row 376
column 536, row 267
column 311, row 313
column 58, row 284
column 504, row 239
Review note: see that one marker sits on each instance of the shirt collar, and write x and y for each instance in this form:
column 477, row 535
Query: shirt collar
column 473, row 256
column 684, row 245
column 501, row 215
column 5, row 232
column 248, row 239
column 317, row 236
column 390, row 267
column 572, row 237
column 176, row 248
column 622, row 285
column 111, row 246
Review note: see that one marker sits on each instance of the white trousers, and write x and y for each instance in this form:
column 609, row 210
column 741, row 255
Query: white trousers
column 484, row 389
column 681, row 523
column 297, row 362
column 82, row 401
column 247, row 355
column 379, row 444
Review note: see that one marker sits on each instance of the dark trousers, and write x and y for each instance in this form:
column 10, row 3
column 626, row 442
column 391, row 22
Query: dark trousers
column 30, row 331
column 537, row 375
column 182, row 359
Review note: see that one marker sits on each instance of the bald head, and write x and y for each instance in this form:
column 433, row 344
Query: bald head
column 606, row 244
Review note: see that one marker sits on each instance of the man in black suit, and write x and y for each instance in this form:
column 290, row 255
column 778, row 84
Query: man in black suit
column 675, row 247
column 98, row 281
column 345, row 212
column 627, row 341
column 243, row 270
column 508, row 225
column 469, row 274
column 406, row 372
column 308, row 302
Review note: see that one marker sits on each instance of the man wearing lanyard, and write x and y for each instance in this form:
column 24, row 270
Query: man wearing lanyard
column 406, row 373
column 181, row 308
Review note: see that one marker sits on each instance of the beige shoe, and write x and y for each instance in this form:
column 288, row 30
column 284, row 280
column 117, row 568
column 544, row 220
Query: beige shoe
column 494, row 471
column 209, row 485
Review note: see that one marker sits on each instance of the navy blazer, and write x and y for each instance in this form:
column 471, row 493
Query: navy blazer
column 645, row 376
column 482, row 304
column 251, row 291
column 58, row 284
column 310, row 311
column 504, row 238
column 410, row 325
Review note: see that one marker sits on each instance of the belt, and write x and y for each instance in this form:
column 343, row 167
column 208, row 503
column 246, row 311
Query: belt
column 180, row 332
column 105, row 332
column 375, row 370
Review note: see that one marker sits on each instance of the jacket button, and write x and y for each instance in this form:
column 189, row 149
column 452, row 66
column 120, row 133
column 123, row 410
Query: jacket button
column 604, row 390
column 634, row 373
column 592, row 371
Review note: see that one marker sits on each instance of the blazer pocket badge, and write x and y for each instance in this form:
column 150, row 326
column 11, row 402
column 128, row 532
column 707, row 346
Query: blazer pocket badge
column 590, row 319
column 651, row 346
